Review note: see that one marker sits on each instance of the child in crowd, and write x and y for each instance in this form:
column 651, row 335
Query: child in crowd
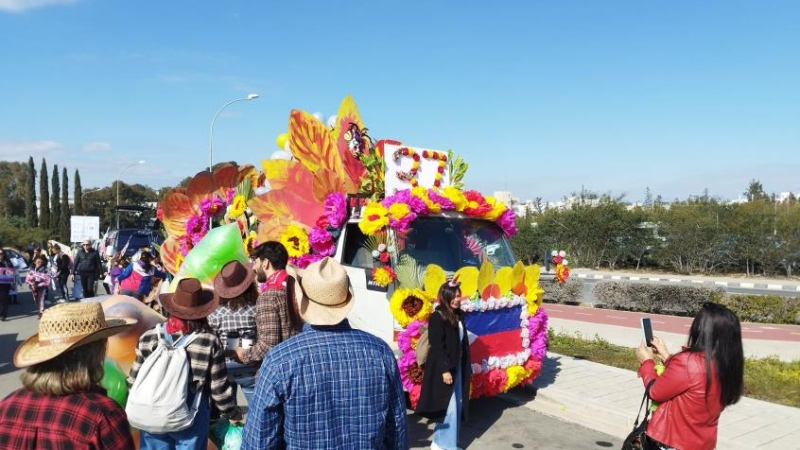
column 39, row 280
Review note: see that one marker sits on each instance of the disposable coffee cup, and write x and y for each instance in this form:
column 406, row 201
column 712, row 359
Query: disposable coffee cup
column 232, row 340
column 247, row 340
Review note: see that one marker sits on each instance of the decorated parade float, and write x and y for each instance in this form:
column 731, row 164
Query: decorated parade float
column 396, row 216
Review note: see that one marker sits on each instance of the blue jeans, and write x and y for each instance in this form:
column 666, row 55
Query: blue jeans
column 193, row 438
column 445, row 434
column 248, row 385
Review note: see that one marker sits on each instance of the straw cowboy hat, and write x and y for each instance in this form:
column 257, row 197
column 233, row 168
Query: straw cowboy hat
column 325, row 296
column 234, row 279
column 190, row 301
column 65, row 327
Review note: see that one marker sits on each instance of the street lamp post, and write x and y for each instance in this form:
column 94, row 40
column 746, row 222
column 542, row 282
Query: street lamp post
column 211, row 129
column 118, row 182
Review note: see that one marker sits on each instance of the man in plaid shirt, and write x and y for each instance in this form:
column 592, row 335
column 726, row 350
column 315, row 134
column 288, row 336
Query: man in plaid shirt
column 276, row 318
column 330, row 386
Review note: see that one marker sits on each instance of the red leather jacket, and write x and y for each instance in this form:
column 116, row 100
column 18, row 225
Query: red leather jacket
column 686, row 418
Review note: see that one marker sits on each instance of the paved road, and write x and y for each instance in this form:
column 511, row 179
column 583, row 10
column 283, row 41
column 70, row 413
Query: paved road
column 496, row 423
column 669, row 324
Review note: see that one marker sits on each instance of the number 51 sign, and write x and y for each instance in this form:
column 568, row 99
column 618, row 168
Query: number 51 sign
column 408, row 167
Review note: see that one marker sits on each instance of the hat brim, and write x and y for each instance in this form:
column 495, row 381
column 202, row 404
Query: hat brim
column 317, row 314
column 190, row 313
column 31, row 352
column 234, row 291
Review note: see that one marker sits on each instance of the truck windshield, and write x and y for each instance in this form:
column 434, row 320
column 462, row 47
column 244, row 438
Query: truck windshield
column 455, row 242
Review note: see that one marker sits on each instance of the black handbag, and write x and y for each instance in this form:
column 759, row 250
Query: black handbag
column 637, row 439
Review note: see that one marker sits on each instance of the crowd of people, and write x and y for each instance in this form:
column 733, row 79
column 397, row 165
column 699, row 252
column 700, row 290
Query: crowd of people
column 310, row 379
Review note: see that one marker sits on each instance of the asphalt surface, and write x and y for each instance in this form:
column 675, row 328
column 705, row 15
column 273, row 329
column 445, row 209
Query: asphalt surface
column 495, row 423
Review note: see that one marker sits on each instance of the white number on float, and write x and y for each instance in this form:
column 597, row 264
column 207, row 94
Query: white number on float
column 408, row 166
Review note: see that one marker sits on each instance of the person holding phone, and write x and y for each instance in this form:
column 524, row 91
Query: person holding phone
column 698, row 382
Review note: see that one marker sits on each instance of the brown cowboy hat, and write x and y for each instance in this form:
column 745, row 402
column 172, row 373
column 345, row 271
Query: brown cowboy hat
column 65, row 327
column 324, row 294
column 234, row 279
column 190, row 301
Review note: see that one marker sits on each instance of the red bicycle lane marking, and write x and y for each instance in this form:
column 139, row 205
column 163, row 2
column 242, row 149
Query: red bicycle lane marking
column 669, row 324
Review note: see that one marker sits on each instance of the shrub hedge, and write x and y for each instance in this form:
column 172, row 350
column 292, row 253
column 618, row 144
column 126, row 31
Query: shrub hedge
column 682, row 300
column 672, row 299
column 567, row 293
column 764, row 308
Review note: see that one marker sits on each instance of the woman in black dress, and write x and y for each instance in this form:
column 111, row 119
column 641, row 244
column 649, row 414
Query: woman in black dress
column 447, row 373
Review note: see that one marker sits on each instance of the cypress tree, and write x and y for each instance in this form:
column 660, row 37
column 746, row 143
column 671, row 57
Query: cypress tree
column 77, row 196
column 55, row 201
column 31, row 214
column 63, row 228
column 44, row 196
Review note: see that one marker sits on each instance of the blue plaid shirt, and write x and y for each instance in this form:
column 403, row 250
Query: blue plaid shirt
column 329, row 387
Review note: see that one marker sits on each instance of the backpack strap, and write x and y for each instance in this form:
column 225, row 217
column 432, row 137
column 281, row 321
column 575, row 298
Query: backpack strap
column 185, row 340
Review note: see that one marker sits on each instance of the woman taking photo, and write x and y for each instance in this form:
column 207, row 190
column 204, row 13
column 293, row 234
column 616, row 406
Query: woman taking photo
column 697, row 383
column 444, row 397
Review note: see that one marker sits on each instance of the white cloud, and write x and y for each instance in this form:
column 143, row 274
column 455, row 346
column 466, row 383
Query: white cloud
column 97, row 147
column 20, row 151
column 19, row 6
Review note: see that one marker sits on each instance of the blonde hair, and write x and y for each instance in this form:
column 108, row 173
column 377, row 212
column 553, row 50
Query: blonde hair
column 74, row 371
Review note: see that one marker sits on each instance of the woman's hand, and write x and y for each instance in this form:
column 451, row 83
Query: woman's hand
column 447, row 378
column 661, row 348
column 643, row 353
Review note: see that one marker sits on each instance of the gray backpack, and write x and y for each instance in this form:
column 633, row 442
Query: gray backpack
column 158, row 400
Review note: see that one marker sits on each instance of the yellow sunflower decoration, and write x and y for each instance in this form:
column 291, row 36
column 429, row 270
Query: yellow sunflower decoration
column 295, row 240
column 408, row 305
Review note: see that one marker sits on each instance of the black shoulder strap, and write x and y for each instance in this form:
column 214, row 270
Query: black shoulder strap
column 645, row 403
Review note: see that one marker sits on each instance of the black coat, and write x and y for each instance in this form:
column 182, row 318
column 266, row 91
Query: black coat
column 445, row 354
column 87, row 262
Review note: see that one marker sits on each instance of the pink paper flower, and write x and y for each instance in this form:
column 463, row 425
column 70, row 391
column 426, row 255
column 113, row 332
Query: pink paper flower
column 321, row 242
column 508, row 222
column 336, row 209
column 304, row 260
column 445, row 203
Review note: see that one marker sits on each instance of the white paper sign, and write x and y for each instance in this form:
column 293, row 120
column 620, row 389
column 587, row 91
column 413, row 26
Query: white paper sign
column 408, row 166
column 84, row 227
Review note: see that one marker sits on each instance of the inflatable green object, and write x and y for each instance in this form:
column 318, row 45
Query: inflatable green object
column 114, row 382
column 218, row 247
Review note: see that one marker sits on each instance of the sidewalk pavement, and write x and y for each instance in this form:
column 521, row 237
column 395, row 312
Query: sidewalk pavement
column 607, row 398
column 773, row 284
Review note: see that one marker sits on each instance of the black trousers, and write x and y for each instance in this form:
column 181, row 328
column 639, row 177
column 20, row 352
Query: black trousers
column 5, row 299
column 88, row 283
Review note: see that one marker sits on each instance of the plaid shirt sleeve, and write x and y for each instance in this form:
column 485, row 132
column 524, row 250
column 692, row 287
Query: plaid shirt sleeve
column 114, row 432
column 268, row 325
column 396, row 421
column 221, row 390
column 263, row 429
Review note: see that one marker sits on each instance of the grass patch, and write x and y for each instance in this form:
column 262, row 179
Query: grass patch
column 768, row 379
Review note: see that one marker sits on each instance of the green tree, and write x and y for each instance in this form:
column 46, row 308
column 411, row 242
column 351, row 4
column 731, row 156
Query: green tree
column 13, row 192
column 31, row 216
column 77, row 196
column 55, row 201
column 44, row 196
column 755, row 191
column 63, row 228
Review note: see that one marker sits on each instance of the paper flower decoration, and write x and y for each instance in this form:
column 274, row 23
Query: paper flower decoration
column 295, row 240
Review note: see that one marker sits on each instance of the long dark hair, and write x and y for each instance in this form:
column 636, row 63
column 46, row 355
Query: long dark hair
column 717, row 334
column 295, row 321
column 248, row 297
column 447, row 293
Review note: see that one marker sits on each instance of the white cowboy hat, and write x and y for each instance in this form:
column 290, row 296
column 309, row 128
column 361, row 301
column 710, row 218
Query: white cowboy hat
column 324, row 294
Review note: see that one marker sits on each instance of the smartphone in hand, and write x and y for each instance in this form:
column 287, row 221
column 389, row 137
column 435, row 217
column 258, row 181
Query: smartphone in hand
column 647, row 330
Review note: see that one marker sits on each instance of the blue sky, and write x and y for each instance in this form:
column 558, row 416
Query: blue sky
column 540, row 97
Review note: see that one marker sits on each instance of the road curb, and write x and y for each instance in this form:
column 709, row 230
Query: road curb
column 788, row 288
